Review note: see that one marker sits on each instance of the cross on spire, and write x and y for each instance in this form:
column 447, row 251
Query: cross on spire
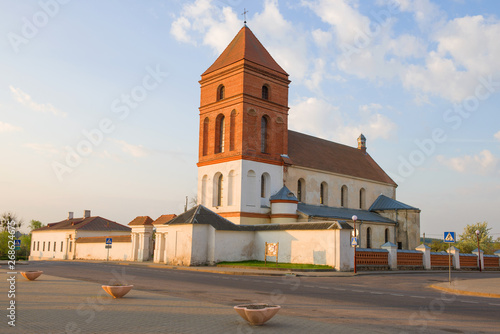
column 245, row 11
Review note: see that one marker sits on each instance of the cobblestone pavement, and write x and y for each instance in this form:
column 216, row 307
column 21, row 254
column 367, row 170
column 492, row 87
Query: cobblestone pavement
column 57, row 305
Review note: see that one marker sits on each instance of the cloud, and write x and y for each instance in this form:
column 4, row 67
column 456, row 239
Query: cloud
column 6, row 127
column 319, row 118
column 43, row 149
column 136, row 151
column 26, row 100
column 202, row 21
column 484, row 163
column 497, row 135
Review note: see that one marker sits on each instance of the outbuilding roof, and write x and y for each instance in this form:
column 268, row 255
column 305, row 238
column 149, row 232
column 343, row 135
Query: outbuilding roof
column 164, row 219
column 141, row 220
column 321, row 154
column 386, row 203
column 328, row 212
column 85, row 224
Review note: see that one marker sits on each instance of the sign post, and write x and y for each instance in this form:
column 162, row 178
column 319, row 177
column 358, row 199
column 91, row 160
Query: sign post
column 271, row 250
column 109, row 242
column 449, row 238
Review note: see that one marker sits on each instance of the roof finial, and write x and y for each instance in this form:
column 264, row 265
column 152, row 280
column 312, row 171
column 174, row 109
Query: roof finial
column 245, row 11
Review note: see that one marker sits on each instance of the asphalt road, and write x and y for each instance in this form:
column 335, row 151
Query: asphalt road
column 398, row 303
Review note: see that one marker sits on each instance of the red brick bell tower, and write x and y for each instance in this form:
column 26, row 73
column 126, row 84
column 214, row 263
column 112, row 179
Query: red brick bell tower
column 244, row 105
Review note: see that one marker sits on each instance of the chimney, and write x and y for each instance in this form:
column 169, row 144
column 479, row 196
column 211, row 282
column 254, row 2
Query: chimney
column 362, row 143
column 70, row 215
column 86, row 214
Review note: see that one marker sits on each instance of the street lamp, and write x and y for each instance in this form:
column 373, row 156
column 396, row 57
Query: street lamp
column 354, row 218
column 478, row 250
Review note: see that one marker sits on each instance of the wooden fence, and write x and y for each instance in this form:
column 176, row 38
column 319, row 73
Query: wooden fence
column 439, row 259
column 372, row 257
column 468, row 260
column 410, row 258
column 491, row 261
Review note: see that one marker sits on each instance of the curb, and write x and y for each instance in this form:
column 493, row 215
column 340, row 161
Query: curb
column 466, row 293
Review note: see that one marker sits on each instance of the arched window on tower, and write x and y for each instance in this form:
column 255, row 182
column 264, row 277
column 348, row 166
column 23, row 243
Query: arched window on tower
column 362, row 198
column 232, row 130
column 323, row 193
column 343, row 196
column 220, row 134
column 264, row 132
column 218, row 189
column 264, row 185
column 221, row 91
column 205, row 137
column 301, row 190
column 265, row 92
column 369, row 237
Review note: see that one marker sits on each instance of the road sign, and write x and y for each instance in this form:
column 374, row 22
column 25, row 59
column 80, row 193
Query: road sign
column 108, row 246
column 109, row 241
column 354, row 241
column 449, row 237
column 17, row 244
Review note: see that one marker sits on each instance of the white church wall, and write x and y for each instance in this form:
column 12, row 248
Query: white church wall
column 200, row 244
column 298, row 246
column 179, row 244
column 238, row 175
column 314, row 178
column 234, row 246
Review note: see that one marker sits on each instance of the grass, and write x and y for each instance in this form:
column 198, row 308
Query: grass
column 271, row 264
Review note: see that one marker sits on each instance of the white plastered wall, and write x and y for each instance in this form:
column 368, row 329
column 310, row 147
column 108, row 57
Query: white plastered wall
column 242, row 191
column 314, row 178
column 119, row 251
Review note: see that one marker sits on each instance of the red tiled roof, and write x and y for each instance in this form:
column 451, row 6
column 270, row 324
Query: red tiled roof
column 163, row 219
column 321, row 154
column 85, row 224
column 116, row 238
column 245, row 46
column 141, row 220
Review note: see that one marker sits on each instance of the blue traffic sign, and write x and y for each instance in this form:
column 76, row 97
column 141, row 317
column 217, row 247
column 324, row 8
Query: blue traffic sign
column 17, row 244
column 354, row 241
column 109, row 241
column 449, row 237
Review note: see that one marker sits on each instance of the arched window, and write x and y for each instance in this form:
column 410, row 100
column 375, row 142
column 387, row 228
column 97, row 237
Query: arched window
column 362, row 198
column 232, row 130
column 369, row 237
column 386, row 235
column 252, row 186
column 301, row 190
column 220, row 134
column 264, row 185
column 205, row 137
column 323, row 193
column 221, row 91
column 264, row 123
column 265, row 92
column 204, row 182
column 230, row 188
column 343, row 196
column 218, row 187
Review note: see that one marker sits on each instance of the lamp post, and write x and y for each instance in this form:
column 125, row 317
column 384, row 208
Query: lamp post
column 354, row 218
column 478, row 250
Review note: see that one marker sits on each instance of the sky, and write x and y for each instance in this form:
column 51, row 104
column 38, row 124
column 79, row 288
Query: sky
column 99, row 99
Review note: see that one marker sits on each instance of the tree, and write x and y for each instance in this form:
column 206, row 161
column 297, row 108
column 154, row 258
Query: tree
column 34, row 224
column 9, row 219
column 438, row 246
column 468, row 239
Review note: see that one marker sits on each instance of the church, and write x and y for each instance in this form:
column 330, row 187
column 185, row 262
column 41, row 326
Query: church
column 259, row 182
